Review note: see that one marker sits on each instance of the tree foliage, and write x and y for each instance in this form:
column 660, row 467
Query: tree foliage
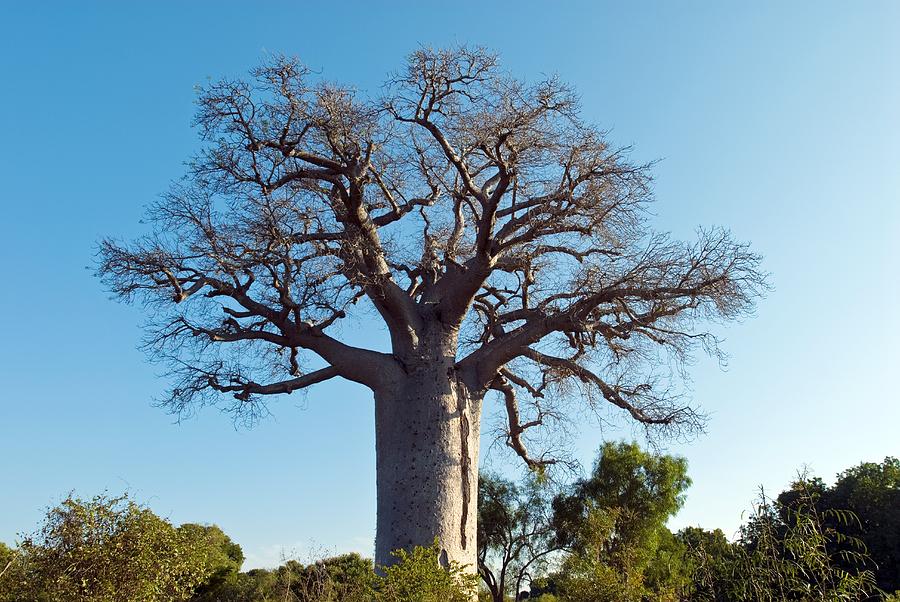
column 871, row 492
column 416, row 576
column 10, row 576
column 800, row 547
column 216, row 551
column 787, row 553
column 605, row 533
column 345, row 578
column 111, row 549
column 420, row 576
column 613, row 522
column 642, row 489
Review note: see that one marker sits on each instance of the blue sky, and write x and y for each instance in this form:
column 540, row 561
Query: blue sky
column 778, row 120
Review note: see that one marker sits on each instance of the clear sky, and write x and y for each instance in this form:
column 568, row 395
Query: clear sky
column 779, row 120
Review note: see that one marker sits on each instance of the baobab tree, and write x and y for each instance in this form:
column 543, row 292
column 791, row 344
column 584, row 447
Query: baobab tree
column 501, row 240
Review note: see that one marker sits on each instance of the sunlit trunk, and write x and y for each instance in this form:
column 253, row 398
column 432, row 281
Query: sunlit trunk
column 427, row 437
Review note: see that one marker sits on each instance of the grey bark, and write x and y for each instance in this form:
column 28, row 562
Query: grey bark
column 427, row 444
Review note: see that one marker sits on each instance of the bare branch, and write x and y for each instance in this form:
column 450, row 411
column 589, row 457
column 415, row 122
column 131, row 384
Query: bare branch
column 614, row 394
column 477, row 213
column 243, row 390
column 517, row 427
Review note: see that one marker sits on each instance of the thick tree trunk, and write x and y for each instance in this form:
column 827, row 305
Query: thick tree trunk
column 427, row 438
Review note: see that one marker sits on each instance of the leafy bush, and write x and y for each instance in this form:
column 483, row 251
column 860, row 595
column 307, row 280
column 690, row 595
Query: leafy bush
column 786, row 553
column 110, row 549
column 417, row 576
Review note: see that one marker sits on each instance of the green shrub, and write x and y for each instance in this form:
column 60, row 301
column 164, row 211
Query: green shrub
column 787, row 553
column 110, row 549
column 417, row 576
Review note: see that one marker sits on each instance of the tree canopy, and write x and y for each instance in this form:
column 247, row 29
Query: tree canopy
column 645, row 489
column 461, row 197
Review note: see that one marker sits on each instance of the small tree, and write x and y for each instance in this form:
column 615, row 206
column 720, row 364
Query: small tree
column 613, row 523
column 499, row 238
column 642, row 489
column 515, row 534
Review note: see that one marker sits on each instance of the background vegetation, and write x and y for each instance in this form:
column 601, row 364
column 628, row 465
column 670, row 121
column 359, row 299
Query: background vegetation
column 601, row 538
